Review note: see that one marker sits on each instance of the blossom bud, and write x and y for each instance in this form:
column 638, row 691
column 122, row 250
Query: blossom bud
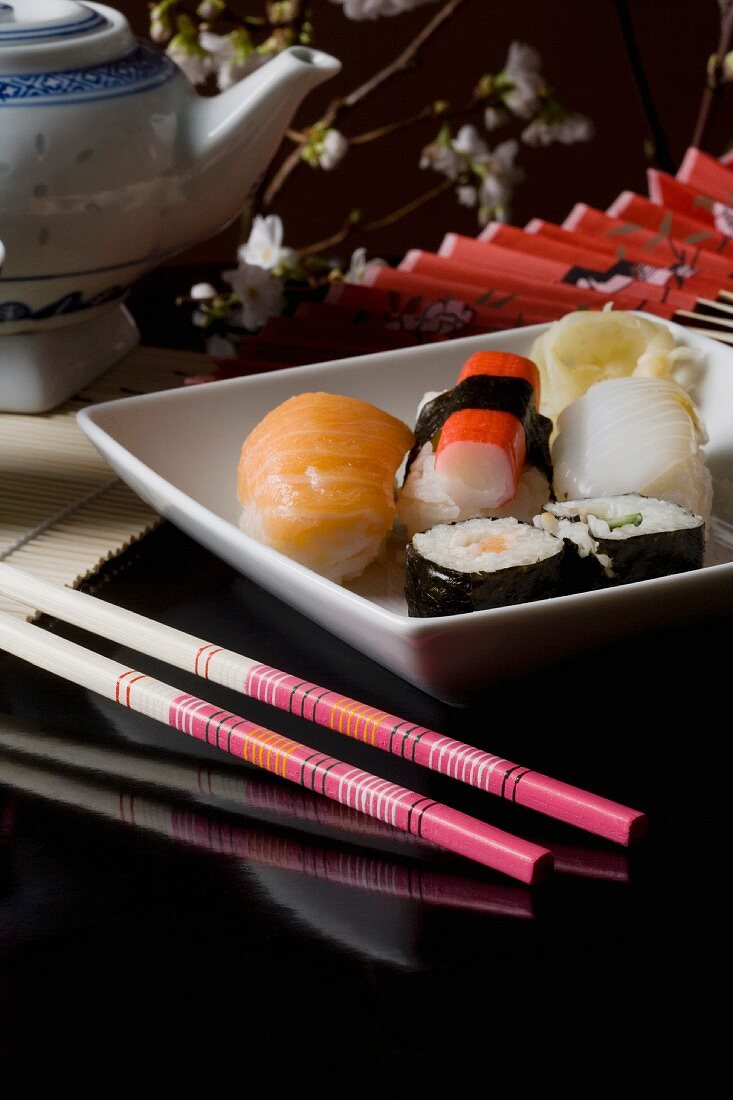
column 202, row 292
column 494, row 117
column 160, row 31
column 282, row 11
column 485, row 87
column 728, row 66
column 210, row 9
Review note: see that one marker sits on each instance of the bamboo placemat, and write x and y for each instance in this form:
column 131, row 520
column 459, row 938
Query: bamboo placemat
column 62, row 511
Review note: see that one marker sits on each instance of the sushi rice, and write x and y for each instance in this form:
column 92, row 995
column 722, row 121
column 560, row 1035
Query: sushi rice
column 423, row 501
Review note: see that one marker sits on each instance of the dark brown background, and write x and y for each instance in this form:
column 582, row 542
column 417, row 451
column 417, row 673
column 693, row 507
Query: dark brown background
column 585, row 61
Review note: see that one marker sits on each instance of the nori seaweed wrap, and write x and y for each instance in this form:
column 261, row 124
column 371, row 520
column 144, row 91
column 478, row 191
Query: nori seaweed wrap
column 618, row 540
column 455, row 568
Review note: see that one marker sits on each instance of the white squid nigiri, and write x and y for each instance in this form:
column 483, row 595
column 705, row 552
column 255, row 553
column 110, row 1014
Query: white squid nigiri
column 633, row 435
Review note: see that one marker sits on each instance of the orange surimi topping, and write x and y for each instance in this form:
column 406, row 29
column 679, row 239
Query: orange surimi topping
column 490, row 427
column 502, row 364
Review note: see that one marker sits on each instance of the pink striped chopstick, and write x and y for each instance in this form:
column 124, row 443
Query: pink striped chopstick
column 432, row 750
column 316, row 771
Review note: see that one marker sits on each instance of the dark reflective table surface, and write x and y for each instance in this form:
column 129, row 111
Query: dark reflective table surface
column 157, row 891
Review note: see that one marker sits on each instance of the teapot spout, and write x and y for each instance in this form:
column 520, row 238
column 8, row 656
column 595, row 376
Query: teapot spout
column 229, row 139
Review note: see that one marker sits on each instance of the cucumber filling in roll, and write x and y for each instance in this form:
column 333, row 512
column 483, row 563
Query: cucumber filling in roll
column 625, row 538
column 479, row 564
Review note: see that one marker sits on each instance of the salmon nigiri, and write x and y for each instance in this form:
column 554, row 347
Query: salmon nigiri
column 316, row 481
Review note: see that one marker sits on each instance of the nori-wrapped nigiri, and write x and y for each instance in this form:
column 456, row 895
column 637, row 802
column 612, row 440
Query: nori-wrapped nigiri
column 479, row 447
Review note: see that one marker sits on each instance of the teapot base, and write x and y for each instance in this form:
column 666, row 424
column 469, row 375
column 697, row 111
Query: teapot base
column 40, row 370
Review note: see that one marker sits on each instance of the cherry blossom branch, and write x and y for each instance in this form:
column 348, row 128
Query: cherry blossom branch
column 392, row 127
column 409, row 207
column 287, row 167
column 339, row 105
column 352, row 225
column 714, row 83
column 405, row 59
column 429, row 111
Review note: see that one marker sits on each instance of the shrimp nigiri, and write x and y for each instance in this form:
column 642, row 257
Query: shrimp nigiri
column 316, row 481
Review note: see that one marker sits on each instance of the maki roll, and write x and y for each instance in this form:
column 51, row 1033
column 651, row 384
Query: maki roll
column 479, row 564
column 625, row 538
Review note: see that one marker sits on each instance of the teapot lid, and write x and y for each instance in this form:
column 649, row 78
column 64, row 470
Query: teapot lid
column 45, row 35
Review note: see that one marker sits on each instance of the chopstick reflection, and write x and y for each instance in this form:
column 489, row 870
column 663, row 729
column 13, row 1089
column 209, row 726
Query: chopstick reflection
column 230, row 786
column 30, row 763
column 589, row 863
column 227, row 787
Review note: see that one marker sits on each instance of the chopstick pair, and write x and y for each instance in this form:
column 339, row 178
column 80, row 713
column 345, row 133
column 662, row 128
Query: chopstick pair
column 350, row 786
column 255, row 798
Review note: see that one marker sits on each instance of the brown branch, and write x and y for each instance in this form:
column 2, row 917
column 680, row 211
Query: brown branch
column 413, row 204
column 426, row 112
column 391, row 127
column 404, row 59
column 711, row 95
column 351, row 227
column 337, row 106
column 288, row 166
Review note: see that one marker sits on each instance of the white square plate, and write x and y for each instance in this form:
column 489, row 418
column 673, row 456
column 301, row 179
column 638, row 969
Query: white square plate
column 179, row 450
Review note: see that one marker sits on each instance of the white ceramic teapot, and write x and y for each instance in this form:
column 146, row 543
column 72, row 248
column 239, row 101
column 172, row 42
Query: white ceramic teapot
column 110, row 163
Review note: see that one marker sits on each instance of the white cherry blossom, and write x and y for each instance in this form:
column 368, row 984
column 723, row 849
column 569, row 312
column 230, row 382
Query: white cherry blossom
column 232, row 56
column 441, row 157
column 469, row 144
column 374, row 9
column 566, row 130
column 264, row 247
column 359, row 266
column 186, row 50
column 333, row 150
column 324, row 148
column 523, row 71
column 467, row 195
column 498, row 178
column 494, row 117
column 260, row 294
column 194, row 63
